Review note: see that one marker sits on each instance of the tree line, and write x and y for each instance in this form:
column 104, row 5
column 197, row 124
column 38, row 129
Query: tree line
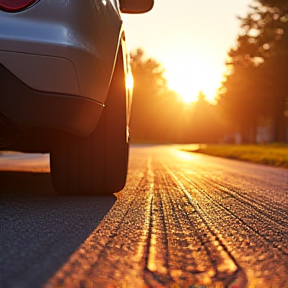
column 253, row 97
column 159, row 115
column 255, row 93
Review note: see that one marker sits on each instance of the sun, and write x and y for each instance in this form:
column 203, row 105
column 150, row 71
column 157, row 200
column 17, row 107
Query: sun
column 188, row 76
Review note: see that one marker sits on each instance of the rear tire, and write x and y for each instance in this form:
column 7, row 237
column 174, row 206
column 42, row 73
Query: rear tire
column 96, row 165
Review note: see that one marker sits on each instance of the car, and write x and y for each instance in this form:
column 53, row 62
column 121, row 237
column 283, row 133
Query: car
column 65, row 88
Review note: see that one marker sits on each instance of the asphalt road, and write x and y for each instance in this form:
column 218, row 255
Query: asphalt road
column 183, row 220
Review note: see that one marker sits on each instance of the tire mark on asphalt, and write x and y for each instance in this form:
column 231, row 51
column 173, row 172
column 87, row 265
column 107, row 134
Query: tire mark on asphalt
column 157, row 265
column 250, row 215
column 246, row 241
column 270, row 212
column 263, row 205
column 150, row 238
column 189, row 258
column 114, row 254
column 225, row 266
column 246, row 184
column 186, row 257
column 177, row 225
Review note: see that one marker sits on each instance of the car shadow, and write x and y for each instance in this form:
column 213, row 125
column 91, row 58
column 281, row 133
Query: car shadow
column 40, row 230
column 25, row 183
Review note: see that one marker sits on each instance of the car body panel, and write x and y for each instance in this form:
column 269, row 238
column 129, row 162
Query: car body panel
column 57, row 60
column 60, row 50
column 34, row 70
column 86, row 33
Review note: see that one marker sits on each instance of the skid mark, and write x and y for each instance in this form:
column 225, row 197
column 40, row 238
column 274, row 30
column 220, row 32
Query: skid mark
column 179, row 224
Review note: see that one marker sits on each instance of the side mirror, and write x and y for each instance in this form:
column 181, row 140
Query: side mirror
column 136, row 6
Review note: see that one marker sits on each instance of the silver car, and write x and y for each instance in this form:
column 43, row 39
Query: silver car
column 64, row 88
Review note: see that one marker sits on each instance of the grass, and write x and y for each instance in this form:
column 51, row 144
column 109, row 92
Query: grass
column 272, row 154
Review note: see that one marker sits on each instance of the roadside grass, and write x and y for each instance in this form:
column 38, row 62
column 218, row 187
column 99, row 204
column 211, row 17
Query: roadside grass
column 270, row 154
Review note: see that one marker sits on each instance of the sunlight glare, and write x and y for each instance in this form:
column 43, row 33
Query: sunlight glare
column 189, row 75
column 129, row 81
column 185, row 155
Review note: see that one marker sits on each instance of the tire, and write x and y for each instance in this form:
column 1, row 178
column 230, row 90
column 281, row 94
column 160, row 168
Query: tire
column 96, row 165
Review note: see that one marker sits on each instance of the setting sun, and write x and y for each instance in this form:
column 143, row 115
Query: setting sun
column 191, row 39
column 189, row 74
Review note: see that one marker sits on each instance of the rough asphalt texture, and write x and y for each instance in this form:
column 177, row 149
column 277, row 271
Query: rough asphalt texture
column 183, row 219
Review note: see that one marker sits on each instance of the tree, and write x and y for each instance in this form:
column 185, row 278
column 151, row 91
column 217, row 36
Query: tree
column 279, row 4
column 257, row 85
column 157, row 113
column 206, row 125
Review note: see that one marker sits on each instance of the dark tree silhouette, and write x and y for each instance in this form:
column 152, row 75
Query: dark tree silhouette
column 207, row 125
column 257, row 85
column 157, row 113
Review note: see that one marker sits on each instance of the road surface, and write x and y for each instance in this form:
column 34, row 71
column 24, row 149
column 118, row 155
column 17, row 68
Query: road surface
column 183, row 220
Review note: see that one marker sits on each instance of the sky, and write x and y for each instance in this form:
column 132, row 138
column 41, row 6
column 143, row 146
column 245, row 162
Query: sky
column 190, row 38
